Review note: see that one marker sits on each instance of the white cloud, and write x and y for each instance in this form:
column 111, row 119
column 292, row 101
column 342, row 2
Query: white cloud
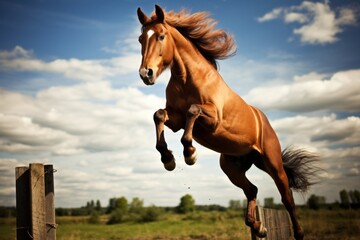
column 20, row 59
column 340, row 93
column 295, row 17
column 15, row 53
column 334, row 139
column 321, row 131
column 22, row 131
column 319, row 23
column 275, row 13
column 347, row 16
column 311, row 76
column 71, row 120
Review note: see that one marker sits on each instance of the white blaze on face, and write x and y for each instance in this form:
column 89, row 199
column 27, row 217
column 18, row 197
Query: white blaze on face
column 150, row 33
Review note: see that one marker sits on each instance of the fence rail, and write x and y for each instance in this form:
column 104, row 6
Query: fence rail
column 277, row 223
column 35, row 209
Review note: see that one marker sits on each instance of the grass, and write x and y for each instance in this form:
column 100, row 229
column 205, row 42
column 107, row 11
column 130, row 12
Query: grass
column 322, row 224
column 212, row 225
column 327, row 224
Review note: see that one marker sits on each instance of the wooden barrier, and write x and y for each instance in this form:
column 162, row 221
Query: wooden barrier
column 277, row 223
column 35, row 210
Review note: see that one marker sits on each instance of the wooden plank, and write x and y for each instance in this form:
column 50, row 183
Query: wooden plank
column 37, row 197
column 49, row 203
column 23, row 219
column 277, row 223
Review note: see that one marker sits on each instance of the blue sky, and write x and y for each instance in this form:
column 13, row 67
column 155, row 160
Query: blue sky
column 70, row 95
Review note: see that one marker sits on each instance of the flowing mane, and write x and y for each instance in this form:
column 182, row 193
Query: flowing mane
column 213, row 44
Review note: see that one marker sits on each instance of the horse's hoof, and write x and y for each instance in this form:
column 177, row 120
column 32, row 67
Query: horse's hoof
column 192, row 159
column 170, row 165
column 262, row 231
column 299, row 234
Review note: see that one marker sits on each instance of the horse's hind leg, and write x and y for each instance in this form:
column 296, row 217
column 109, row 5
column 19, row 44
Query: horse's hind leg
column 272, row 164
column 235, row 168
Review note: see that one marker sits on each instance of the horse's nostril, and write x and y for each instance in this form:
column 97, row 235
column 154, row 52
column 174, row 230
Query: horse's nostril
column 150, row 72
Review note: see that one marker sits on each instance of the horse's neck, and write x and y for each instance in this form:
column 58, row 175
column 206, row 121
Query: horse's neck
column 188, row 63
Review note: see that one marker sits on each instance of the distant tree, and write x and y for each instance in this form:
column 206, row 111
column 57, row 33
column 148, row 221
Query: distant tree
column 354, row 198
column 121, row 209
column 79, row 212
column 357, row 196
column 344, row 198
column 269, row 202
column 112, row 205
column 187, row 204
column 122, row 204
column 314, row 202
column 234, row 204
column 62, row 212
column 98, row 206
column 7, row 212
column 210, row 207
column 136, row 205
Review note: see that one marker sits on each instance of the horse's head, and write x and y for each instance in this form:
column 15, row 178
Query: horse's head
column 155, row 43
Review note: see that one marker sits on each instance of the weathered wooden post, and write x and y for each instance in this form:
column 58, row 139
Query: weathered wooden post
column 23, row 217
column 37, row 200
column 49, row 203
column 277, row 223
column 35, row 211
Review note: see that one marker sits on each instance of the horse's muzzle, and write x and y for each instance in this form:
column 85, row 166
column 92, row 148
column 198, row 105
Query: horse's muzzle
column 147, row 75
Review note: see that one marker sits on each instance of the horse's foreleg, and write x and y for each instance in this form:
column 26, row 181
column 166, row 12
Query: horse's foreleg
column 167, row 158
column 207, row 117
column 189, row 150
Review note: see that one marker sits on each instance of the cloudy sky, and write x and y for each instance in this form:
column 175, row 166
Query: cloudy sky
column 70, row 95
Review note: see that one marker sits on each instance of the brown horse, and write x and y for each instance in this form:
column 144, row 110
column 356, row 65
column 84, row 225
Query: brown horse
column 199, row 101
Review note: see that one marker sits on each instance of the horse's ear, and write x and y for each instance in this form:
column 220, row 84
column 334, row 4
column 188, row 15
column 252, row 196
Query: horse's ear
column 142, row 17
column 160, row 13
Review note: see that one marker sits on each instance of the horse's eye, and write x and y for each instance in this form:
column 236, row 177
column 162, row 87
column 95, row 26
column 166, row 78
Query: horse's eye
column 161, row 37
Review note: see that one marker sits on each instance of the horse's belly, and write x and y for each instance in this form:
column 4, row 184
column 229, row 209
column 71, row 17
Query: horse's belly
column 225, row 142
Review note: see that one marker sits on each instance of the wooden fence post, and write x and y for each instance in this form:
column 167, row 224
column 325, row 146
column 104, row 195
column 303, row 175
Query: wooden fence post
column 277, row 223
column 23, row 218
column 37, row 199
column 35, row 211
column 49, row 203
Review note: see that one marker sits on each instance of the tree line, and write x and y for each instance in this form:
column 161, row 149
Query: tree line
column 120, row 209
column 348, row 199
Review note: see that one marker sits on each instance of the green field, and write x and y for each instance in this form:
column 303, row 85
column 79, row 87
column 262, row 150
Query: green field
column 321, row 224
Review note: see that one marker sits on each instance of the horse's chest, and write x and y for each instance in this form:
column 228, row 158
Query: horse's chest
column 180, row 103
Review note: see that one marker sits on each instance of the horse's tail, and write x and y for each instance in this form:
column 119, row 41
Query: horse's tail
column 300, row 167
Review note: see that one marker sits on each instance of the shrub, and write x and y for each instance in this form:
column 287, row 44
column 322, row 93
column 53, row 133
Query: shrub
column 151, row 214
column 117, row 216
column 94, row 217
column 187, row 204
